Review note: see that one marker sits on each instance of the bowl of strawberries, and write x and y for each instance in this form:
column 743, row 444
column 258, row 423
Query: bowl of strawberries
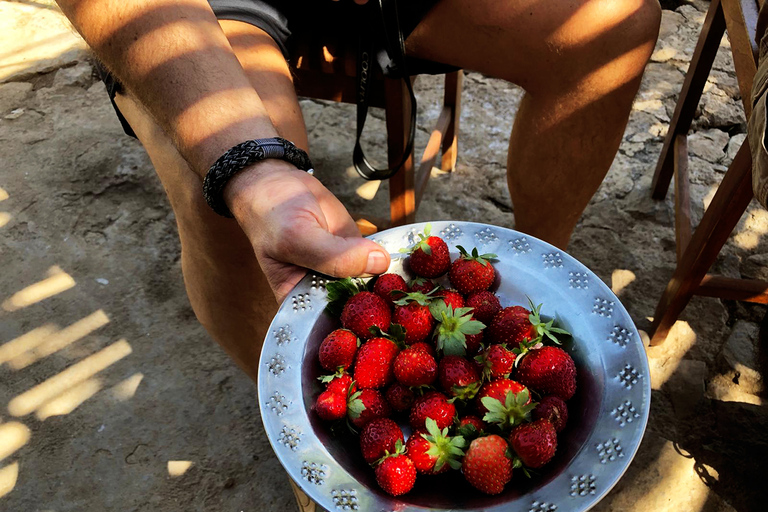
column 486, row 370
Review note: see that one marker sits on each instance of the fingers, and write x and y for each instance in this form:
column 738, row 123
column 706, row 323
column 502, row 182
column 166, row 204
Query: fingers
column 334, row 255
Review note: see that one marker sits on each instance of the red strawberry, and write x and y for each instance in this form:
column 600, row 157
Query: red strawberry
column 505, row 402
column 452, row 298
column 429, row 256
column 415, row 367
column 400, row 397
column 396, row 474
column 433, row 451
column 535, row 443
column 378, row 437
column 552, row 408
column 511, row 326
column 549, row 370
column 432, row 405
column 412, row 313
column 422, row 285
column 340, row 382
column 471, row 425
column 338, row 349
column 486, row 465
column 474, row 342
column 472, row 273
column 331, row 406
column 366, row 405
column 456, row 332
column 363, row 311
column 373, row 366
column 459, row 377
column 496, row 361
column 424, row 347
column 486, row 305
column 386, row 284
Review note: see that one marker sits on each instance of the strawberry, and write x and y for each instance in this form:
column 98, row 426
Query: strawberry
column 373, row 366
column 549, row 370
column 433, row 405
column 434, row 451
column 338, row 349
column 412, row 313
column 505, row 402
column 415, row 367
column 386, row 284
column 378, row 437
column 453, row 328
column 511, row 326
column 553, row 409
column 486, row 304
column 451, row 298
column 366, row 405
column 424, row 347
column 331, row 406
column 474, row 342
column 422, row 285
column 496, row 361
column 458, row 377
column 396, row 474
column 340, row 382
column 472, row 273
column 400, row 397
column 363, row 311
column 535, row 443
column 470, row 426
column 487, row 465
column 429, row 256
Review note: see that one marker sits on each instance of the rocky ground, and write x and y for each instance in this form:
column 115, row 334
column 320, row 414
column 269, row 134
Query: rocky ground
column 109, row 388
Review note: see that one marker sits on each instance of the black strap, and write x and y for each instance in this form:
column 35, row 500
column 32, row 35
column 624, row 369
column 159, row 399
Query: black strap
column 394, row 45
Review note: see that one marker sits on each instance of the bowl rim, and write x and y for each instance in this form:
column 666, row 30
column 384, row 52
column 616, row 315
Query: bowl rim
column 592, row 472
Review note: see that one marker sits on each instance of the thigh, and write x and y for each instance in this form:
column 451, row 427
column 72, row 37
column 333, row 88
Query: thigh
column 530, row 42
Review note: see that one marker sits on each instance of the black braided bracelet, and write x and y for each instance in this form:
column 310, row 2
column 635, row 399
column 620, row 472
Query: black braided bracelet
column 240, row 157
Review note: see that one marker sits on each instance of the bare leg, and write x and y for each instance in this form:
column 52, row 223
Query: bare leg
column 580, row 62
column 225, row 285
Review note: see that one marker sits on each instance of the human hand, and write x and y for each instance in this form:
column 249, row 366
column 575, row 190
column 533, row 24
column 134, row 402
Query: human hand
column 294, row 223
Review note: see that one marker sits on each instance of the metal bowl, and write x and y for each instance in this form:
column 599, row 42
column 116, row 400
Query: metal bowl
column 607, row 416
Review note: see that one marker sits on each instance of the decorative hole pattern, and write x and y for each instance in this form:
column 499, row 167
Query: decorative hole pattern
column 628, row 376
column 541, row 506
column 603, row 307
column 318, row 282
column 411, row 237
column 625, row 413
column 609, row 451
column 290, row 438
column 452, row 232
column 578, row 280
column 620, row 335
column 301, row 302
column 583, row 485
column 314, row 473
column 278, row 403
column 284, row 335
column 552, row 260
column 277, row 365
column 486, row 236
column 345, row 499
column 520, row 245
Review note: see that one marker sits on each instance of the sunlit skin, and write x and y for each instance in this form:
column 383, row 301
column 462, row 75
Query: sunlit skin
column 198, row 87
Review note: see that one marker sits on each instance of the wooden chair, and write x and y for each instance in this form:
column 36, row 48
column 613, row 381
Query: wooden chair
column 326, row 71
column 698, row 249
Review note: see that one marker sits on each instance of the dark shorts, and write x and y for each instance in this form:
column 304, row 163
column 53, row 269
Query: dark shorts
column 282, row 19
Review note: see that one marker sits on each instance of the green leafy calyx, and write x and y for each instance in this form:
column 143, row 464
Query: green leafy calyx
column 480, row 258
column 512, row 412
column 453, row 327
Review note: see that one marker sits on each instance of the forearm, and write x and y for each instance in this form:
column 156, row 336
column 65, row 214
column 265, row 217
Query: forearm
column 174, row 58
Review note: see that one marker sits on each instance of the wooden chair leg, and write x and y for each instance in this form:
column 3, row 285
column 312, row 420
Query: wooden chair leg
column 729, row 203
column 402, row 198
column 452, row 99
column 695, row 79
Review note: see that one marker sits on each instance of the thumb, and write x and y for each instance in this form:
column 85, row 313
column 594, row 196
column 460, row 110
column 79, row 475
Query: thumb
column 335, row 255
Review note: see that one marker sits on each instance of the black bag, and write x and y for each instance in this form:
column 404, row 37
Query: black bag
column 383, row 42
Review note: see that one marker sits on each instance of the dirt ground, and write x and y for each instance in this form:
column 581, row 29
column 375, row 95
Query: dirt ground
column 112, row 397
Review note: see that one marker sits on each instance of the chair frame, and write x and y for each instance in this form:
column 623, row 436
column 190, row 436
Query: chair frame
column 698, row 249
